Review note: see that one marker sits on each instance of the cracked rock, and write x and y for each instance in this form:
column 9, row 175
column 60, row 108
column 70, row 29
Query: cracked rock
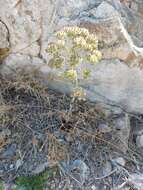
column 3, row 36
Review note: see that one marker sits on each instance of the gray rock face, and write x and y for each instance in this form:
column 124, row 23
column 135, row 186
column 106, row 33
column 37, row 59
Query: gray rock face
column 31, row 24
column 122, row 125
column 139, row 141
column 73, row 8
column 3, row 36
column 114, row 37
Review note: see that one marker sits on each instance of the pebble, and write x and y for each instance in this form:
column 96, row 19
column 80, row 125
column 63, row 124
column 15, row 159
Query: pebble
column 107, row 168
column 119, row 160
column 10, row 151
column 11, row 166
column 120, row 123
column 139, row 141
column 93, row 187
column 104, row 128
column 18, row 163
column 40, row 168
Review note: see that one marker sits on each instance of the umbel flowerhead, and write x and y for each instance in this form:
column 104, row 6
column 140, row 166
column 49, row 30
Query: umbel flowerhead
column 72, row 46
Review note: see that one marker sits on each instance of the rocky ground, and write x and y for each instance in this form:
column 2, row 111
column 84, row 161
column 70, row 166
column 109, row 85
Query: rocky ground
column 95, row 144
column 92, row 146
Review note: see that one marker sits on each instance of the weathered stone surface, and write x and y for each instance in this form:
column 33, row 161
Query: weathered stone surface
column 139, row 141
column 120, row 161
column 23, row 21
column 122, row 127
column 114, row 38
column 105, row 10
column 132, row 17
column 113, row 81
column 3, row 36
column 136, row 180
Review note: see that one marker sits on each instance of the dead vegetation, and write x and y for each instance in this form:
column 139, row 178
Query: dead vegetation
column 43, row 127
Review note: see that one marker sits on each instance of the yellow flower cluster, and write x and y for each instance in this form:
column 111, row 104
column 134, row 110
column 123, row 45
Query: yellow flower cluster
column 80, row 42
column 61, row 43
column 81, row 37
column 61, row 34
column 94, row 57
column 52, row 48
column 70, row 42
column 74, row 60
column 92, row 39
column 98, row 54
column 79, row 93
column 56, row 62
column 86, row 73
column 71, row 74
column 75, row 31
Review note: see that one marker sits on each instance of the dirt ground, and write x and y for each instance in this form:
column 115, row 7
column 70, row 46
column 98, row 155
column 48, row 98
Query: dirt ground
column 42, row 128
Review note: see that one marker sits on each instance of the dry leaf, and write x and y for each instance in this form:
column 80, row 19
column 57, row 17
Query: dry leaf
column 4, row 52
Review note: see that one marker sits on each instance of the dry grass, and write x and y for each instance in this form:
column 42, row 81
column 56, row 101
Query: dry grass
column 28, row 108
column 43, row 125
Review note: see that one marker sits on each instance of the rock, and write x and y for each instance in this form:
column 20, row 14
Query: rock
column 106, row 84
column 106, row 169
column 11, row 166
column 28, row 64
column 136, row 180
column 113, row 80
column 108, row 110
column 105, row 10
column 104, row 128
column 4, row 35
column 112, row 34
column 122, row 128
column 78, row 165
column 73, row 8
column 40, row 168
column 93, row 187
column 19, row 163
column 139, row 141
column 10, row 151
column 120, row 160
column 23, row 22
column 119, row 123
column 132, row 18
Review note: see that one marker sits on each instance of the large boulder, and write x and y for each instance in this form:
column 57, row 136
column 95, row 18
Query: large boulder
column 114, row 38
column 112, row 82
column 117, row 80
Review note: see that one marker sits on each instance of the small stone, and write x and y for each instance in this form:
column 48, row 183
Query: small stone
column 122, row 127
column 104, row 128
column 121, row 161
column 93, row 187
column 11, row 166
column 136, row 180
column 18, row 163
column 139, row 141
column 40, row 168
column 107, row 168
column 120, row 123
column 10, row 151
